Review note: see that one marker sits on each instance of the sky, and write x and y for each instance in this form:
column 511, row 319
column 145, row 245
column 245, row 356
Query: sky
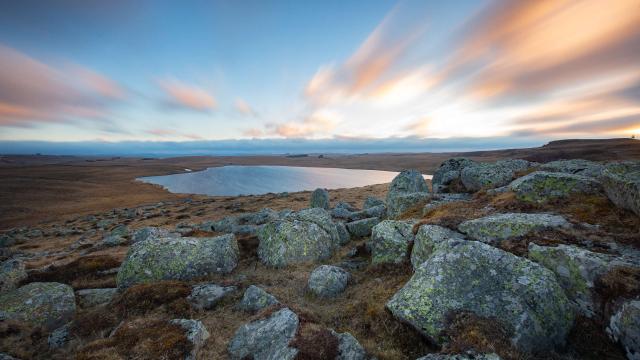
column 326, row 72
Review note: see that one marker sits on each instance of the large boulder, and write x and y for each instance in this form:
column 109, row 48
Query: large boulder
column 206, row 296
column 470, row 276
column 498, row 227
column 576, row 270
column 427, row 239
column 362, row 228
column 241, row 224
column 319, row 199
column 481, row 176
column 372, row 201
column 343, row 233
column 348, row 347
column 196, row 334
column 448, row 173
column 543, row 186
column 46, row 304
column 305, row 236
column 574, row 166
column 407, row 190
column 12, row 272
column 390, row 242
column 624, row 327
column 401, row 204
column 328, row 281
column 621, row 183
column 178, row 259
column 255, row 299
column 150, row 232
column 266, row 339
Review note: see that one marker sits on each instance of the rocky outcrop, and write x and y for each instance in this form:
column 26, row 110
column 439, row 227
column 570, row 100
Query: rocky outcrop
column 196, row 334
column 427, row 239
column 407, row 190
column 46, row 304
column 470, row 276
column 624, row 327
column 95, row 297
column 255, row 299
column 328, row 281
column 449, row 173
column 621, row 183
column 266, row 339
column 362, row 228
column 480, row 176
column 247, row 223
column 305, row 236
column 343, row 233
column 390, row 242
column 543, row 186
column 435, row 200
column 12, row 272
column 319, row 199
column 207, row 296
column 574, row 166
column 151, row 232
column 178, row 259
column 371, row 201
column 498, row 227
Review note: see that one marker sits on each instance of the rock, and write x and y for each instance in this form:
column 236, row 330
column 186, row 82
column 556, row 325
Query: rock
column 371, row 201
column 308, row 235
column 12, row 273
column 362, row 228
column 436, row 200
column 151, row 232
column 498, row 227
column 120, row 230
column 111, row 241
column 516, row 165
column 46, row 304
column 475, row 277
column 576, row 270
column 195, row 332
column 407, row 190
column 328, row 281
column 256, row 299
column 574, row 166
column 348, row 347
column 7, row 240
column 319, row 199
column 480, row 176
column 427, row 239
column 621, row 183
column 343, row 233
column 266, row 339
column 343, row 210
column 390, row 242
column 59, row 337
column 400, row 204
column 624, row 327
column 448, row 173
column 245, row 223
column 178, row 259
column 542, row 186
column 471, row 355
column 94, row 297
column 185, row 228
column 104, row 223
column 5, row 356
column 206, row 296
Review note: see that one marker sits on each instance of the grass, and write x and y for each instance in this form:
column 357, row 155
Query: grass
column 165, row 296
column 81, row 273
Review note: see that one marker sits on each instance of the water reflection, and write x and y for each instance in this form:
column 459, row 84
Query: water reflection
column 255, row 180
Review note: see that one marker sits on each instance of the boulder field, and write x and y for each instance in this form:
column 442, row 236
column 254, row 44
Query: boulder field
column 540, row 252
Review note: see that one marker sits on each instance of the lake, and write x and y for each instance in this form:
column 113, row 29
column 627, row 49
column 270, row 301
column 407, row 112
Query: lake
column 256, row 180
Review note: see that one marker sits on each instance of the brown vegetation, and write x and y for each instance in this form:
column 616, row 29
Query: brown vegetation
column 141, row 299
column 81, row 273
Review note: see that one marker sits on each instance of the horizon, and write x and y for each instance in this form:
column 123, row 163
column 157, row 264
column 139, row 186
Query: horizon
column 407, row 76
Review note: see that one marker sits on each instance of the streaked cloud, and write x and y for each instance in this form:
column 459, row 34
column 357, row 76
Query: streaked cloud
column 169, row 134
column 187, row 96
column 317, row 125
column 244, row 108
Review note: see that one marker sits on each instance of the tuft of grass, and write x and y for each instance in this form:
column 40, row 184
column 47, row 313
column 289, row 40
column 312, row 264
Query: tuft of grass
column 166, row 296
column 315, row 342
column 81, row 273
column 22, row 340
column 94, row 322
column 588, row 341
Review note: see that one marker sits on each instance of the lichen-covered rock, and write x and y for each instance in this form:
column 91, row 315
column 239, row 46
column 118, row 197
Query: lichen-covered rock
column 328, row 281
column 178, row 259
column 427, row 239
column 266, row 339
column 120, row 230
column 624, row 327
column 59, row 337
column 621, row 183
column 348, row 347
column 372, row 201
column 12, row 272
column 543, row 186
column 498, row 227
column 7, row 240
column 574, row 166
column 470, row 276
column 390, row 242
column 319, row 199
column 206, row 296
column 399, row 205
column 94, row 297
column 150, row 232
column 448, row 172
column 195, row 332
column 480, row 176
column 407, row 190
column 471, row 355
column 46, row 304
column 577, row 270
column 362, row 228
column 294, row 240
column 319, row 217
column 343, row 233
column 111, row 241
column 240, row 224
column 435, row 200
column 255, row 299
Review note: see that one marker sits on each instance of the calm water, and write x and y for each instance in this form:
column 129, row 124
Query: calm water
column 255, row 180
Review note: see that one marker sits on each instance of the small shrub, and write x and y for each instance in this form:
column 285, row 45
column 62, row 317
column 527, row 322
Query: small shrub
column 315, row 343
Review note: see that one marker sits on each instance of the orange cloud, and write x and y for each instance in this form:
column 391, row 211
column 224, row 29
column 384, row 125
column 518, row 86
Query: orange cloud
column 317, row 125
column 244, row 108
column 187, row 96
column 168, row 134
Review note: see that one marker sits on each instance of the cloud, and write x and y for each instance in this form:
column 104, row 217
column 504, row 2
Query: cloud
column 172, row 134
column 187, row 96
column 33, row 92
column 244, row 108
column 317, row 125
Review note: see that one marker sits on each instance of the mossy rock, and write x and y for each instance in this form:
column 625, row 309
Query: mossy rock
column 448, row 172
column 46, row 304
column 390, row 242
column 498, row 227
column 621, row 183
column 400, row 204
column 427, row 239
column 624, row 327
column 319, row 199
column 470, row 276
column 574, row 166
column 362, row 228
column 12, row 272
column 542, row 186
column 178, row 259
column 266, row 339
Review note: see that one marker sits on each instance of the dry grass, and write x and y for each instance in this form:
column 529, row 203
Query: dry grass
column 81, row 273
column 164, row 296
